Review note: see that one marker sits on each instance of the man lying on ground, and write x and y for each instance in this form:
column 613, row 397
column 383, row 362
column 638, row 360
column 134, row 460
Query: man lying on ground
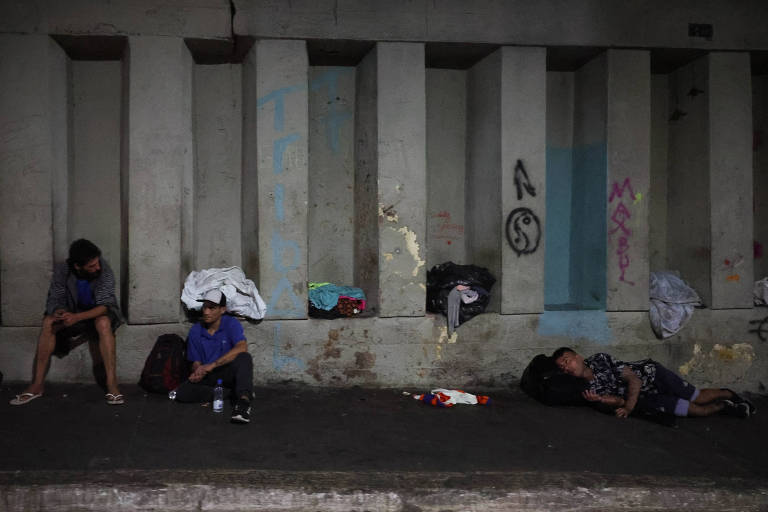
column 648, row 386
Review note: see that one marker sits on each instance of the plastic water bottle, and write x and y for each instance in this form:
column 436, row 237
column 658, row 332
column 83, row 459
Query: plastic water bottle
column 172, row 394
column 218, row 397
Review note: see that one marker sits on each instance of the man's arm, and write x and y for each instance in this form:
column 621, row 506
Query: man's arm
column 611, row 401
column 200, row 370
column 633, row 392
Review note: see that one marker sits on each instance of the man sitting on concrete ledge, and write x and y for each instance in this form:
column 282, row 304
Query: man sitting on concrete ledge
column 81, row 305
column 218, row 350
column 646, row 386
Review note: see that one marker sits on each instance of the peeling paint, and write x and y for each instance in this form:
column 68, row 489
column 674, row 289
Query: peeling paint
column 413, row 248
column 421, row 285
column 388, row 256
column 444, row 336
column 388, row 212
column 722, row 364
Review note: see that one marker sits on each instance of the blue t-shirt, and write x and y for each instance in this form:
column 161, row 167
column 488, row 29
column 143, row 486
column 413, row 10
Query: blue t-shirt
column 207, row 348
column 84, row 295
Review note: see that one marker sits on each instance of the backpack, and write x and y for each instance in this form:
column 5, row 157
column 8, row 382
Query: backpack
column 543, row 381
column 166, row 366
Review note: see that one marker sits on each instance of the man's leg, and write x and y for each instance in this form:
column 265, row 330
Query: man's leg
column 46, row 343
column 103, row 326
column 194, row 392
column 708, row 395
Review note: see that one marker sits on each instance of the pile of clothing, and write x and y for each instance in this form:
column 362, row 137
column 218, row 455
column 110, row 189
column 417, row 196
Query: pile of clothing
column 327, row 300
column 243, row 298
column 459, row 292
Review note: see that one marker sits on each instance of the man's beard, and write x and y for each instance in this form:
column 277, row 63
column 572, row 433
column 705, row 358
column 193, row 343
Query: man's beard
column 88, row 276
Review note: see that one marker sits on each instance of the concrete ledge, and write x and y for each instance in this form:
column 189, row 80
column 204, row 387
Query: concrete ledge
column 491, row 350
column 387, row 491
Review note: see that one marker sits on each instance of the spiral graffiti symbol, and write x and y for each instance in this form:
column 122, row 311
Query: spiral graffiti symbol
column 523, row 231
column 762, row 328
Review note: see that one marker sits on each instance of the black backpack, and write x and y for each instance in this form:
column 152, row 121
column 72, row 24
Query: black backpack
column 166, row 366
column 543, row 381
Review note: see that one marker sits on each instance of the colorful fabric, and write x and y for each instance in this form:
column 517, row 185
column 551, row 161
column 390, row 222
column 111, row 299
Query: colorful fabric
column 348, row 306
column 450, row 397
column 327, row 296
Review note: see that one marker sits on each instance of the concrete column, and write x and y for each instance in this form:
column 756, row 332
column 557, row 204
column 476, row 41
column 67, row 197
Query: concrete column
column 628, row 131
column 483, row 191
column 218, row 163
column 250, row 181
column 523, row 179
column 159, row 158
column 94, row 189
column 760, row 174
column 402, row 196
column 730, row 184
column 281, row 135
column 33, row 153
column 657, row 200
column 331, row 174
column 446, row 165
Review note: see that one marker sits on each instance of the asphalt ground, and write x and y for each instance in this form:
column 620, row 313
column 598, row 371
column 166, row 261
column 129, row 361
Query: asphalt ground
column 368, row 445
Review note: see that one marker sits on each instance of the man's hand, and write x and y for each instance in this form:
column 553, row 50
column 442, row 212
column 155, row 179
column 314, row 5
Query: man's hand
column 591, row 396
column 68, row 318
column 623, row 412
column 200, row 371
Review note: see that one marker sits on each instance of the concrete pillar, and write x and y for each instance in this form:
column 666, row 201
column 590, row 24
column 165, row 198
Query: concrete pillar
column 33, row 155
column 94, row 188
column 657, row 200
column 159, row 161
column 446, row 164
column 390, row 182
column 281, row 138
column 628, row 130
column 402, row 174
column 484, row 223
column 523, row 179
column 730, row 184
column 250, row 179
column 331, row 174
column 218, row 163
column 760, row 174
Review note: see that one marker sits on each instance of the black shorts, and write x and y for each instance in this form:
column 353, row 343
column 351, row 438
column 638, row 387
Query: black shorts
column 75, row 335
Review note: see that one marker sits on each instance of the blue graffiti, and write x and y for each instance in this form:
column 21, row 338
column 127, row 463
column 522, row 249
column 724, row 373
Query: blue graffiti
column 591, row 325
column 279, row 247
column 280, row 361
column 278, row 96
column 279, row 200
column 335, row 118
column 278, row 149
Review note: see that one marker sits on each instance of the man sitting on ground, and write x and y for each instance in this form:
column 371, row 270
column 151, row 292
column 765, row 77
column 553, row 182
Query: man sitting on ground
column 217, row 348
column 647, row 385
column 81, row 304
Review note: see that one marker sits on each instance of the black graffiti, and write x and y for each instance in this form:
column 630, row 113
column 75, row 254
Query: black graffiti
column 523, row 231
column 522, row 181
column 762, row 328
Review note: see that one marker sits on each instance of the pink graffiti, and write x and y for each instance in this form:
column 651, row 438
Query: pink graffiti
column 619, row 217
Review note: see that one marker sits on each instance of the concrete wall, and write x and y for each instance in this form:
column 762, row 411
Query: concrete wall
column 628, row 148
column 331, row 174
column 730, row 158
column 588, row 204
column 34, row 71
column 407, row 139
column 657, row 196
column 560, row 91
column 483, row 175
column 446, row 165
column 94, row 179
column 760, row 173
column 688, row 234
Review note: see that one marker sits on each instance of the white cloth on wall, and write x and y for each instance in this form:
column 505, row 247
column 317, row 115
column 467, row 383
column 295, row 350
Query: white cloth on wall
column 242, row 296
column 672, row 303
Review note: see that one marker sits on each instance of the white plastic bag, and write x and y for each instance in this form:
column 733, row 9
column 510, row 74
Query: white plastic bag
column 672, row 303
column 242, row 296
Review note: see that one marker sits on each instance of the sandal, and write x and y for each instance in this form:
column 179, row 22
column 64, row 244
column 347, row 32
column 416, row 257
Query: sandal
column 25, row 398
column 114, row 399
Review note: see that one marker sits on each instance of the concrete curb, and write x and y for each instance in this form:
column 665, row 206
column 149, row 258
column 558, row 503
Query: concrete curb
column 171, row 490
